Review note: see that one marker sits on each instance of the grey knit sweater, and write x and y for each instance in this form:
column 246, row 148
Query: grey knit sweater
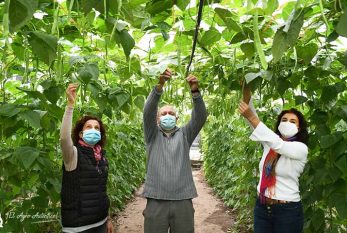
column 169, row 174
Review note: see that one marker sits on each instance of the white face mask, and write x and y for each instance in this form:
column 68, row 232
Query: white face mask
column 287, row 129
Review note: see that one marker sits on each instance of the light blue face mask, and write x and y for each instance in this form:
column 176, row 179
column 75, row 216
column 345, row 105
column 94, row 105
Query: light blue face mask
column 167, row 122
column 91, row 136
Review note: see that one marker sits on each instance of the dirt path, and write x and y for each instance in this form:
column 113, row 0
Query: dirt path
column 210, row 214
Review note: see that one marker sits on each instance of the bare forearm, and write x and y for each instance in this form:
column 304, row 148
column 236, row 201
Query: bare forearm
column 65, row 136
column 247, row 113
column 253, row 120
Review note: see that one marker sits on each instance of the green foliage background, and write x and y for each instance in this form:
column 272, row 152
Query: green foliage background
column 291, row 53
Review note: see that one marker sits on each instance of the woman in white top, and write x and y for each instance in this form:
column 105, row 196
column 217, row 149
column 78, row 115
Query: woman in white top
column 278, row 207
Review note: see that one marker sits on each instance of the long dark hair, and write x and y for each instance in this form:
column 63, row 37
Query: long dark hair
column 79, row 128
column 302, row 135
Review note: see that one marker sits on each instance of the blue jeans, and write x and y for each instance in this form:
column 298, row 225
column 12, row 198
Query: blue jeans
column 278, row 218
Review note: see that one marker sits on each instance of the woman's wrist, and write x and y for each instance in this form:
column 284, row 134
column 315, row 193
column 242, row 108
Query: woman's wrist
column 70, row 105
column 254, row 120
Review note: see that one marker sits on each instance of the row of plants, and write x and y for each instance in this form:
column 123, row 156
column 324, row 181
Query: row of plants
column 37, row 63
column 231, row 161
column 31, row 160
column 297, row 65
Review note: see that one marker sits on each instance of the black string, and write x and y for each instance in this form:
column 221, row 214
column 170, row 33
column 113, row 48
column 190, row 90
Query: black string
column 201, row 4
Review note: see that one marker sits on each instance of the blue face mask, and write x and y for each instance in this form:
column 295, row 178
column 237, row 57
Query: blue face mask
column 91, row 136
column 167, row 122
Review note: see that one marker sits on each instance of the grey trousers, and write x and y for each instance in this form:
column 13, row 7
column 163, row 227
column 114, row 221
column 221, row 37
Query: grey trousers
column 162, row 216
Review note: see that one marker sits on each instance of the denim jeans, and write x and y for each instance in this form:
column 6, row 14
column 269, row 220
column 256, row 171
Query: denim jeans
column 278, row 218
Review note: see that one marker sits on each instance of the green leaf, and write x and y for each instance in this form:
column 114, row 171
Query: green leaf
column 332, row 37
column 295, row 26
column 53, row 94
column 227, row 18
column 265, row 74
column 341, row 27
column 238, row 37
column 271, row 6
column 319, row 117
column 318, row 219
column 343, row 112
column 249, row 77
column 32, row 117
column 18, row 50
column 210, row 37
column 164, row 29
column 125, row 39
column 329, row 94
column 330, row 140
column 88, row 5
column 33, row 94
column 307, row 52
column 342, row 164
column 139, row 101
column 343, row 59
column 340, row 200
column 44, row 46
column 122, row 98
column 282, row 86
column 248, row 49
column 20, row 12
column 134, row 3
column 158, row 6
column 9, row 110
column 299, row 99
column 182, row 4
column 118, row 97
column 280, row 45
column 27, row 155
column 88, row 72
column 287, row 9
column 286, row 36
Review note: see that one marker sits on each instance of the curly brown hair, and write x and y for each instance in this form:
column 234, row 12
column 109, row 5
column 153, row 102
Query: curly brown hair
column 79, row 128
column 302, row 135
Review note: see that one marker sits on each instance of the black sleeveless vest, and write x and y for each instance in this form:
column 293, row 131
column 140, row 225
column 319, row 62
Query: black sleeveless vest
column 84, row 197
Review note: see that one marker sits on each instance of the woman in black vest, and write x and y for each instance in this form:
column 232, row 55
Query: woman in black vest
column 84, row 200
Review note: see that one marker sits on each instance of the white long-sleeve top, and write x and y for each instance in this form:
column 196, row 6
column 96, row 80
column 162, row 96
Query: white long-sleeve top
column 289, row 166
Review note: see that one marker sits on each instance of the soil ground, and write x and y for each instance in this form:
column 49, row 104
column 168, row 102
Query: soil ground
column 211, row 216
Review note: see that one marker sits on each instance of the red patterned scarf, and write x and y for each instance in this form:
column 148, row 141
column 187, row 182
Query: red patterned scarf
column 96, row 148
column 268, row 177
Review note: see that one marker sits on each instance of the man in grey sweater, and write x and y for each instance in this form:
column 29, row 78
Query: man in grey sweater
column 169, row 186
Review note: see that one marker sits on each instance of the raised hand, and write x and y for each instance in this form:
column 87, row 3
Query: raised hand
column 165, row 76
column 109, row 226
column 193, row 82
column 71, row 93
column 247, row 113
